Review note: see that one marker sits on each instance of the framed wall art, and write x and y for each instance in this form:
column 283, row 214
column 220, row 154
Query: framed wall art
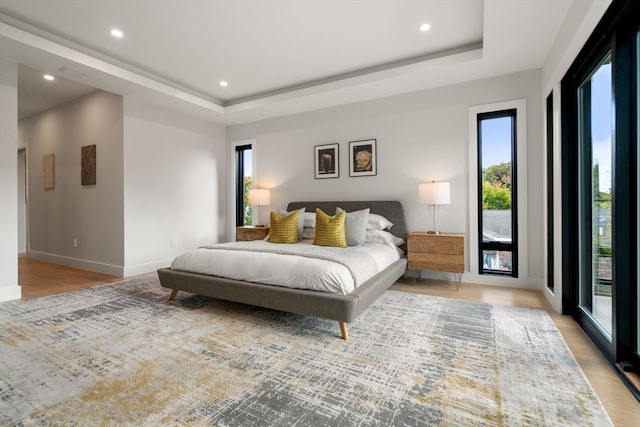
column 49, row 171
column 326, row 161
column 88, row 165
column 362, row 158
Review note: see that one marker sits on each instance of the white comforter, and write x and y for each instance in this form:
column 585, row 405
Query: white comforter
column 337, row 270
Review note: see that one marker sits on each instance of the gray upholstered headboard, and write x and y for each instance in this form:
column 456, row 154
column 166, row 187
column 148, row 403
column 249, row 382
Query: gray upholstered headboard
column 392, row 210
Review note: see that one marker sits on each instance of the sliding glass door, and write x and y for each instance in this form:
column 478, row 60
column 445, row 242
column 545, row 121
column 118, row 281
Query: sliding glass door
column 601, row 187
column 595, row 148
column 637, row 193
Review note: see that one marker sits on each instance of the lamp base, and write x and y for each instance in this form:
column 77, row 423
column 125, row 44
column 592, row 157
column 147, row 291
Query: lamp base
column 433, row 232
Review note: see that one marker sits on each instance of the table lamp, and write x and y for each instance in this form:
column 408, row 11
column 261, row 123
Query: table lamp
column 434, row 194
column 259, row 197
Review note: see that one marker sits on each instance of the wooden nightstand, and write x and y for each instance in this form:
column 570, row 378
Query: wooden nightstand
column 438, row 252
column 251, row 233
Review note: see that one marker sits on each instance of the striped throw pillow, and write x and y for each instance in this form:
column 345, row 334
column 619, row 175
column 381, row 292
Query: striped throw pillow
column 330, row 230
column 284, row 229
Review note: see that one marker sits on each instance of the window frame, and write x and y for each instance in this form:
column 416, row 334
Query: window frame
column 231, row 194
column 549, row 128
column 238, row 180
column 496, row 245
column 615, row 33
column 520, row 105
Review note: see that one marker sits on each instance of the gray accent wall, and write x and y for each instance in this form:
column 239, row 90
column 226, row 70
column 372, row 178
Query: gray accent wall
column 159, row 191
column 89, row 215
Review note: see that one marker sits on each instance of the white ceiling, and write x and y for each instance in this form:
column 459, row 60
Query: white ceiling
column 278, row 56
column 37, row 94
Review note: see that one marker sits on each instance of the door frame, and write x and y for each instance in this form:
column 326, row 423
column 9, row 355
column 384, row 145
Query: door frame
column 615, row 32
column 23, row 199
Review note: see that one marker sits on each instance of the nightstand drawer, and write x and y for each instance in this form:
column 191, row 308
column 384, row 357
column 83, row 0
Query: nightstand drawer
column 437, row 262
column 436, row 243
column 437, row 252
column 251, row 233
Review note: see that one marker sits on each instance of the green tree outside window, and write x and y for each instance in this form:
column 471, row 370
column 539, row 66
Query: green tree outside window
column 496, row 187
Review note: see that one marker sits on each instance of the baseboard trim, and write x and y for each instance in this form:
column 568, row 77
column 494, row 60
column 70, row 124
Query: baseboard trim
column 10, row 293
column 509, row 282
column 134, row 270
column 482, row 279
column 113, row 270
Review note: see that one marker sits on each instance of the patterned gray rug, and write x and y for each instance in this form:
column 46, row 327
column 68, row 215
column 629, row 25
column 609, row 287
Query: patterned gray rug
column 118, row 355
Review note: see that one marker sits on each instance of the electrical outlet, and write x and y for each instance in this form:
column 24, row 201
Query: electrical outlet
column 173, row 243
column 75, row 242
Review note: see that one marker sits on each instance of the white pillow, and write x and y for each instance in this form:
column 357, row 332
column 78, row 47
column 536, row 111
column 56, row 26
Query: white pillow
column 378, row 222
column 310, row 219
column 375, row 222
column 355, row 226
column 308, row 233
column 384, row 237
column 300, row 227
column 396, row 240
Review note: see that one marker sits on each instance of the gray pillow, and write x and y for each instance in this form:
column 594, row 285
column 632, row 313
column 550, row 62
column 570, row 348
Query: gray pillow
column 355, row 226
column 300, row 219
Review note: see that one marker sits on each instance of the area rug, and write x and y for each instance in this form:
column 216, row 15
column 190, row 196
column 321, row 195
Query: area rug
column 118, row 354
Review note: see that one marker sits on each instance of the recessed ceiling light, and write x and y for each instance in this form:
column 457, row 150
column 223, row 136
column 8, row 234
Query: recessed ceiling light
column 425, row 27
column 224, row 84
column 116, row 33
column 48, row 77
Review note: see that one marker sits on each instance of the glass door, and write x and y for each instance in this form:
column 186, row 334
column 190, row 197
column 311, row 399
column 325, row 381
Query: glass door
column 595, row 142
column 601, row 188
column 637, row 129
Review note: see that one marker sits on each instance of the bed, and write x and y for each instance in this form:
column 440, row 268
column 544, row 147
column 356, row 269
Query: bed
column 334, row 306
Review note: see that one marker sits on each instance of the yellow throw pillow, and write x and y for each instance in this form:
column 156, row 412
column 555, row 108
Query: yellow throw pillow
column 284, row 229
column 330, row 230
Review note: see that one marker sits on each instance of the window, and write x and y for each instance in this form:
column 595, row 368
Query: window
column 600, row 167
column 550, row 193
column 595, row 167
column 637, row 127
column 243, row 168
column 498, row 157
column 497, row 207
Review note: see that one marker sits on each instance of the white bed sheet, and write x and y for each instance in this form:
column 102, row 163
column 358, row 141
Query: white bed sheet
column 292, row 271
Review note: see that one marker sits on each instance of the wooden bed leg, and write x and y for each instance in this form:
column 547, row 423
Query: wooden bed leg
column 173, row 295
column 343, row 329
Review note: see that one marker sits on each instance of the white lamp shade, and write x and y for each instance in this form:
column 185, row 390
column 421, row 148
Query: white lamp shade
column 259, row 197
column 435, row 193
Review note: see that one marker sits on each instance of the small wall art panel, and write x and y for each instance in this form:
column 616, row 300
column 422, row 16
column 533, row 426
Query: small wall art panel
column 88, row 157
column 48, row 171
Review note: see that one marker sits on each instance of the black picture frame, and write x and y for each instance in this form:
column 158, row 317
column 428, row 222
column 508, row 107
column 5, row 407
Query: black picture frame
column 362, row 158
column 327, row 161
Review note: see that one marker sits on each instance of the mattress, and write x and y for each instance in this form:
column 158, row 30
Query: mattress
column 300, row 266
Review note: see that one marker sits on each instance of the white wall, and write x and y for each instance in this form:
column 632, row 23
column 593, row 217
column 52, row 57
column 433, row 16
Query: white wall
column 9, row 288
column 421, row 136
column 91, row 214
column 175, row 169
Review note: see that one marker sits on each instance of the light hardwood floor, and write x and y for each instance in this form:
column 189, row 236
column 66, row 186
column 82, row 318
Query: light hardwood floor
column 39, row 278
